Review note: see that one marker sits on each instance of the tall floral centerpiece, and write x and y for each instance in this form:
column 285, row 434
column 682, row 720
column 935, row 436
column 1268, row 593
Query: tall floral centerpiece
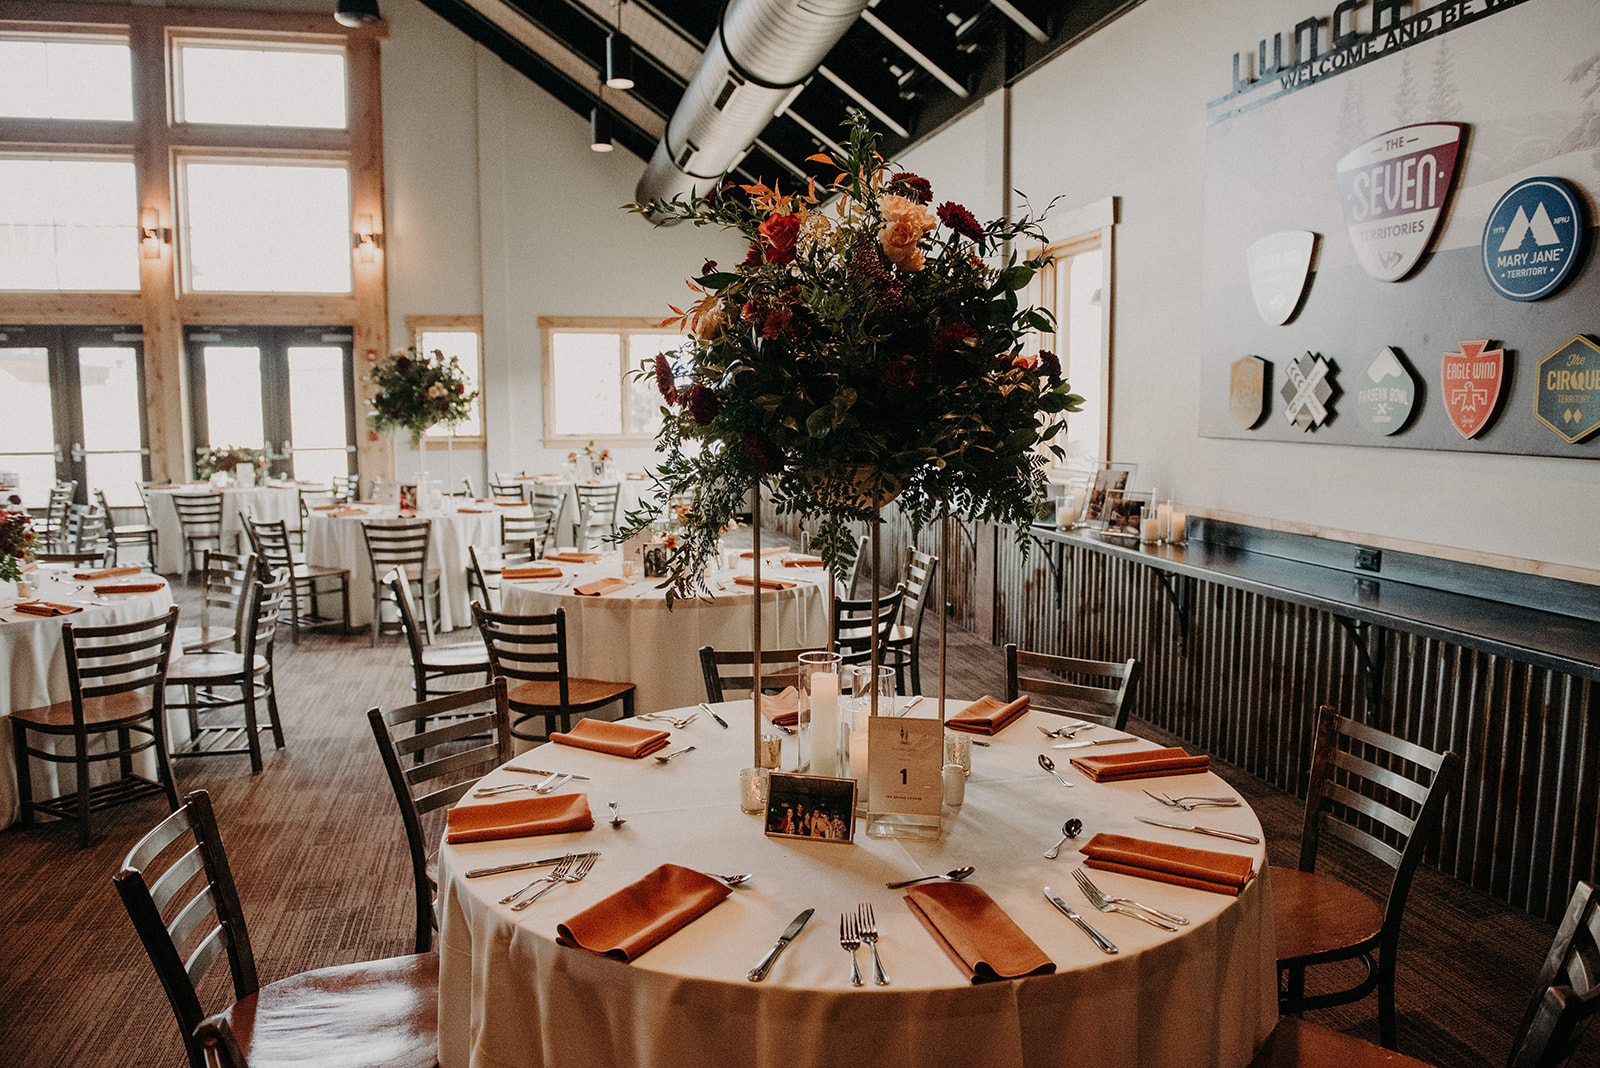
column 869, row 348
column 16, row 537
column 414, row 392
column 233, row 462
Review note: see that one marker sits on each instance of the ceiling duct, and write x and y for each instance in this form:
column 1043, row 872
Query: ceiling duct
column 762, row 50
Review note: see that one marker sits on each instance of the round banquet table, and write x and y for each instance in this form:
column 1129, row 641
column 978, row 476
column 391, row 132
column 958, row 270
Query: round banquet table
column 509, row 996
column 630, row 635
column 264, row 504
column 631, row 491
column 35, row 667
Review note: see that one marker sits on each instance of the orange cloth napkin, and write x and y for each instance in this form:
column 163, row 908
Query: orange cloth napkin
column 105, row 573
column 515, row 573
column 987, row 715
column 980, row 938
column 1148, row 764
column 45, row 608
column 510, row 502
column 473, row 511
column 29, row 566
column 802, row 561
column 601, row 587
column 574, row 558
column 625, row 924
column 326, row 507
column 1203, row 869
column 618, row 739
column 130, row 587
column 783, row 707
column 334, row 513
column 750, row 554
column 521, row 818
column 638, row 476
column 766, row 583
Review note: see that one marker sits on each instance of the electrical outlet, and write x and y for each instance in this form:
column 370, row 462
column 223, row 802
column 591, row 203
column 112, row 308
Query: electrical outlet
column 1369, row 560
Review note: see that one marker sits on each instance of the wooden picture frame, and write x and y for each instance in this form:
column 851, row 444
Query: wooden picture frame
column 819, row 808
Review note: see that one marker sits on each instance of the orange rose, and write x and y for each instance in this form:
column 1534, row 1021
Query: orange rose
column 904, row 226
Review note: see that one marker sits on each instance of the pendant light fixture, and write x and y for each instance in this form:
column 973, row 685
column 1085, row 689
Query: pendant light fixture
column 356, row 12
column 600, row 128
column 619, row 56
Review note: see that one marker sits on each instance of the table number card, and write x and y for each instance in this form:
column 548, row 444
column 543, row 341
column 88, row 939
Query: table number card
column 905, row 781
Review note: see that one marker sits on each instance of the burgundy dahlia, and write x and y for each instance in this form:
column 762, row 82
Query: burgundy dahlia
column 762, row 453
column 913, row 187
column 664, row 382
column 1050, row 364
column 955, row 339
column 703, row 404
column 960, row 220
column 901, row 374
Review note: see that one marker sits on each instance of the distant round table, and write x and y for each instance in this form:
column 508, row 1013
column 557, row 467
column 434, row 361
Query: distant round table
column 263, row 504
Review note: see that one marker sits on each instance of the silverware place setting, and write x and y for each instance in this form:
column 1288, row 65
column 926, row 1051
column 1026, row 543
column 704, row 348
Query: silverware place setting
column 1189, row 803
column 954, row 876
column 1108, row 903
column 1105, row 944
column 1215, row 832
column 1069, row 829
column 662, row 717
column 1050, row 765
column 616, row 817
column 556, row 874
column 850, row 939
column 1068, row 732
column 574, row 876
column 667, row 758
column 867, row 928
column 478, row 873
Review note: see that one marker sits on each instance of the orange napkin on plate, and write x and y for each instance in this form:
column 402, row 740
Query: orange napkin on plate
column 625, row 924
column 574, row 558
column 980, row 938
column 987, row 715
column 618, row 739
column 1203, row 869
column 510, row 502
column 783, row 707
column 601, row 587
column 334, row 513
column 105, row 573
column 750, row 554
column 45, row 608
column 515, row 573
column 519, row 818
column 802, row 561
column 766, row 583
column 1148, row 764
column 473, row 511
column 130, row 587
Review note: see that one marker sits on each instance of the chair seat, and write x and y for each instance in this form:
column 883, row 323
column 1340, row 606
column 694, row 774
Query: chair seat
column 211, row 667
column 463, row 655
column 580, row 692
column 97, row 711
column 376, row 1013
column 1316, row 914
column 191, row 640
column 1299, row 1044
column 310, row 572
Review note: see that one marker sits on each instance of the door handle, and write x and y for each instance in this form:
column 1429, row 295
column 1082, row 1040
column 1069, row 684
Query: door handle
column 77, row 452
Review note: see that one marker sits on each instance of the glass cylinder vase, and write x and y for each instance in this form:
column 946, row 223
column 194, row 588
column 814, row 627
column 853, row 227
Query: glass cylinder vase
column 819, row 712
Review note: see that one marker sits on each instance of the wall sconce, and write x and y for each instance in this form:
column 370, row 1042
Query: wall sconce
column 152, row 235
column 366, row 240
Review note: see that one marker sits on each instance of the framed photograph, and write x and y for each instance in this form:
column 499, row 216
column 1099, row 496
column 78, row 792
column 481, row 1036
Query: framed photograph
column 1125, row 511
column 818, row 807
column 1111, row 481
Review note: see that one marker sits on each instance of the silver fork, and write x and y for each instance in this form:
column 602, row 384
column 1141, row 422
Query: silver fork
column 556, row 873
column 1189, row 804
column 577, row 876
column 850, row 938
column 867, row 928
column 1108, row 903
column 1065, row 732
column 677, row 723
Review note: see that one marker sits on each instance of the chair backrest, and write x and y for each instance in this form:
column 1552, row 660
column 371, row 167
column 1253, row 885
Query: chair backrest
column 536, row 528
column 466, row 489
column 402, row 544
column 226, row 588
column 271, row 543
column 545, row 498
column 732, row 670
column 601, row 500
column 526, row 648
column 100, row 502
column 1567, row 993
column 1361, row 792
column 400, row 589
column 852, row 625
column 1100, row 690
column 470, row 742
column 55, row 514
column 484, row 564
column 87, row 528
column 922, row 569
column 312, row 498
column 120, row 661
column 347, row 488
column 207, row 922
column 199, row 514
column 263, row 611
column 506, row 489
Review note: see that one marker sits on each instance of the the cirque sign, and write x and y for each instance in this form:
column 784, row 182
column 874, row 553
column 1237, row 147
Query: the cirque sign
column 1470, row 381
column 1393, row 189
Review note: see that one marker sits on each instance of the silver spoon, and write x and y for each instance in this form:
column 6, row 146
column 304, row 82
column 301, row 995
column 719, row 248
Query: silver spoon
column 954, row 876
column 666, row 757
column 1050, row 765
column 732, row 880
column 616, row 820
column 1069, row 829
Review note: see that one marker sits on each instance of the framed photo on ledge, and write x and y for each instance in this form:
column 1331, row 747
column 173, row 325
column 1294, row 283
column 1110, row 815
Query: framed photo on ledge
column 818, row 807
column 1111, row 482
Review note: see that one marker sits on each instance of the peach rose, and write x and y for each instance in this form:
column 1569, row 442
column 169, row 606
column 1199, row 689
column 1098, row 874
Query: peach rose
column 904, row 226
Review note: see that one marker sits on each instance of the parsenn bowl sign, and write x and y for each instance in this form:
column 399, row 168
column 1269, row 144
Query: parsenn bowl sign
column 1532, row 239
column 1393, row 189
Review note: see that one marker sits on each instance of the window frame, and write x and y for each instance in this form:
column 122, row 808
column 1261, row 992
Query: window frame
column 416, row 326
column 550, row 326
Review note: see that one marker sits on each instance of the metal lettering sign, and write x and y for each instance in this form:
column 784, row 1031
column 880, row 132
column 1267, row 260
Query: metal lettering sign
column 1470, row 381
column 1567, row 396
column 1247, row 398
column 1532, row 239
column 1393, row 189
column 1279, row 265
column 1307, row 392
column 1385, row 398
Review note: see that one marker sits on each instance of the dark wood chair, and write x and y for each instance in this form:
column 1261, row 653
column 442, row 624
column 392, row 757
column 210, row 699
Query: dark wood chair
column 1386, row 797
column 199, row 525
column 534, row 530
column 430, row 663
column 472, row 741
column 225, row 587
column 485, row 563
column 506, row 488
column 311, row 582
column 852, row 626
column 404, row 545
column 530, row 652
column 1100, row 690
column 114, row 675
column 905, row 638
column 375, row 1013
column 732, row 671
column 128, row 535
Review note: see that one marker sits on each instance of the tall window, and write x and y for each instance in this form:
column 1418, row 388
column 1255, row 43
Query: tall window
column 460, row 336
column 591, row 390
column 68, row 224
column 85, row 76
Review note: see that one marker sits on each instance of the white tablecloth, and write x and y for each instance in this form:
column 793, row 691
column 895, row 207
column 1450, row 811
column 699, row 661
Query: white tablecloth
column 264, row 504
column 631, row 635
column 629, row 493
column 35, row 668
column 339, row 542
column 509, row 996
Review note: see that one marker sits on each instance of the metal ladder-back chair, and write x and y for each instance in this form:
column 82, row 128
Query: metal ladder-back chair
column 600, row 501
column 905, row 639
column 404, row 545
column 852, row 626
column 530, row 653
column 430, row 663
column 535, row 529
column 309, row 582
column 128, row 535
column 1100, row 690
column 51, row 528
column 224, row 591
column 506, row 490
column 486, row 562
column 199, row 525
column 731, row 671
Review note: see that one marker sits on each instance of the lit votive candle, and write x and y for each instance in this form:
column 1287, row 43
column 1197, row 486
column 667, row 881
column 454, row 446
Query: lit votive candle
column 858, row 757
column 1164, row 520
column 825, row 723
column 1149, row 530
column 1180, row 520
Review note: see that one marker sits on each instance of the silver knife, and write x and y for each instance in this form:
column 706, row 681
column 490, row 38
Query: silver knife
column 536, row 771
column 1099, row 939
column 759, row 972
column 1097, row 741
column 1252, row 839
column 545, row 863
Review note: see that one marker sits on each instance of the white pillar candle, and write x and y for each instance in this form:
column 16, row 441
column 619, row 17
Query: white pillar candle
column 858, row 758
column 1074, row 507
column 1164, row 520
column 824, row 723
column 1149, row 530
column 1180, row 521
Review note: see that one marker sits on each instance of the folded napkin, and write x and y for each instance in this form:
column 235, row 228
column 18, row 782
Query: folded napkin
column 783, row 707
column 1203, row 869
column 473, row 511
column 29, row 566
column 326, row 507
column 515, row 573
column 987, row 715
column 366, row 502
column 574, row 558
column 130, row 587
column 45, row 608
column 641, row 914
column 638, row 476
column 105, row 573
column 510, row 502
column 521, row 818
column 1148, row 764
column 601, row 587
column 766, row 583
column 334, row 513
column 750, row 554
column 802, row 561
column 618, row 739
column 977, row 934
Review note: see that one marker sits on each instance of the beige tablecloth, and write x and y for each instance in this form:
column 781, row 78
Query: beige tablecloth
column 264, row 504
column 1205, row 996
